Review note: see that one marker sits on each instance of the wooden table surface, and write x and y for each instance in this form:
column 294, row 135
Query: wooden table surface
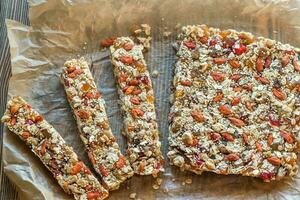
column 16, row 10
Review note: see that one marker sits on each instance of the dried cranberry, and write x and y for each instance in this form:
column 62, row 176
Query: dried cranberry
column 145, row 80
column 274, row 122
column 190, row 44
column 28, row 121
column 268, row 62
column 266, row 176
column 213, row 42
column 86, row 102
column 240, row 50
column 67, row 82
column 230, row 42
column 199, row 162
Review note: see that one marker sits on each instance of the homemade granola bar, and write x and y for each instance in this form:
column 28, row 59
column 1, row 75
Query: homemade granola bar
column 89, row 112
column 236, row 104
column 137, row 103
column 46, row 143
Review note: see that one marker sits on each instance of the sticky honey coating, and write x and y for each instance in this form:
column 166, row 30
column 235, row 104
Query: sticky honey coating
column 46, row 143
column 89, row 111
column 137, row 103
column 236, row 105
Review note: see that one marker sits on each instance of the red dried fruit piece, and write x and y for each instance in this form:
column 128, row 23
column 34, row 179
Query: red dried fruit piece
column 214, row 136
column 234, row 64
column 296, row 65
column 266, row 176
column 38, row 118
column 186, row 83
column 218, row 97
column 224, row 110
column 219, row 61
column 43, row 146
column 91, row 157
column 249, row 105
column 82, row 114
column 274, row 122
column 85, row 87
column 190, row 44
column 258, row 147
column 103, row 171
column 126, row 60
column 213, row 42
column 78, row 71
column 76, row 168
column 287, row 137
column 136, row 92
column 128, row 46
column 107, row 42
column 245, row 138
column 135, row 100
column 25, row 135
column 274, row 160
column 227, row 136
column 270, row 140
column 268, row 62
column 88, row 187
column 218, row 76
column 285, row 60
column 197, row 116
column 259, row 65
column 133, row 82
column 128, row 90
column 122, row 78
column 247, row 87
column 72, row 75
column 278, row 93
column 136, row 112
column 144, row 79
column 121, row 162
column 199, row 162
column 14, row 109
column 93, row 195
column 71, row 69
column 235, row 101
column 97, row 95
column 240, row 50
column 262, row 80
column 13, row 121
column 232, row 157
column 203, row 39
column 236, row 121
column 235, row 77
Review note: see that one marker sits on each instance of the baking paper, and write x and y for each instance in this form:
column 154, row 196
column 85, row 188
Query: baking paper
column 64, row 29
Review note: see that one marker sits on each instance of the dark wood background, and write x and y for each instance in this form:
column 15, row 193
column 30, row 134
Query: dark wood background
column 16, row 10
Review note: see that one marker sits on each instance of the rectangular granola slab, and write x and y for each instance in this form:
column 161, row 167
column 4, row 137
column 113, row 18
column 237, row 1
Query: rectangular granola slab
column 137, row 103
column 236, row 104
column 89, row 111
column 46, row 143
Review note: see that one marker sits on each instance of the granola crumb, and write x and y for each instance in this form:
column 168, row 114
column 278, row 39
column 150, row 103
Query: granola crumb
column 167, row 34
column 159, row 181
column 155, row 186
column 178, row 25
column 155, row 74
column 188, row 181
column 132, row 195
column 166, row 190
column 183, row 183
column 173, row 179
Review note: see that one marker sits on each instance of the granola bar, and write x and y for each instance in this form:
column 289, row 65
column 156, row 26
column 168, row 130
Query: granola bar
column 45, row 142
column 137, row 103
column 236, row 104
column 89, row 111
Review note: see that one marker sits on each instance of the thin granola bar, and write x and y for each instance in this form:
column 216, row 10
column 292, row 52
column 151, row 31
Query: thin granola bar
column 46, row 143
column 89, row 112
column 236, row 104
column 137, row 103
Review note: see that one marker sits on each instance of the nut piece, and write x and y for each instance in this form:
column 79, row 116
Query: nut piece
column 132, row 195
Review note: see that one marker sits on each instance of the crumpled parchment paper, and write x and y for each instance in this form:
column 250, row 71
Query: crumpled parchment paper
column 64, row 29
